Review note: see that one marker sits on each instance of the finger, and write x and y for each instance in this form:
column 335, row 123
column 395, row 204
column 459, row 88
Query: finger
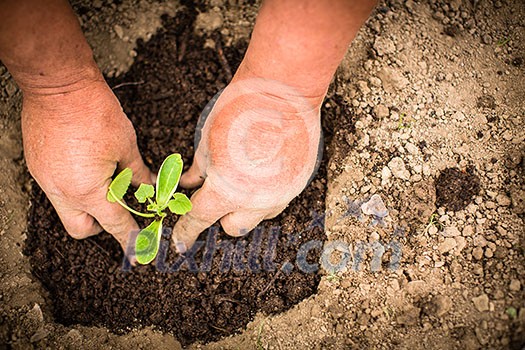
column 192, row 178
column 274, row 212
column 241, row 222
column 78, row 223
column 208, row 207
column 115, row 220
column 141, row 173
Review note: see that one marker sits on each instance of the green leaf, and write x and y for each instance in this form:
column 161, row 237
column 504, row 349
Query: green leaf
column 180, row 204
column 118, row 187
column 168, row 179
column 147, row 242
column 512, row 312
column 144, row 192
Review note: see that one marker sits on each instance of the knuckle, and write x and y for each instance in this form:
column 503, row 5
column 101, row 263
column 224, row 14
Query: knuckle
column 78, row 234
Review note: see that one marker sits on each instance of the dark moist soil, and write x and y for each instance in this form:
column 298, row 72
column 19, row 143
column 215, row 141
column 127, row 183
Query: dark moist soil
column 174, row 77
column 455, row 189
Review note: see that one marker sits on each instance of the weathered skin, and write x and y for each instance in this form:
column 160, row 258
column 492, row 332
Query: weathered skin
column 258, row 147
column 259, row 144
column 74, row 131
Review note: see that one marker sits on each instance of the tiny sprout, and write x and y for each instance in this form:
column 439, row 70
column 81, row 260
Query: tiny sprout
column 148, row 240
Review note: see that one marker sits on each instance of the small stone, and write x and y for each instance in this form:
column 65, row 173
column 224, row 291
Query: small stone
column 384, row 46
column 451, row 231
column 11, row 89
column 461, row 243
column 481, row 302
column 417, row 288
column 468, row 231
column 386, row 174
column 490, row 205
column 35, row 314
column 515, row 285
column 374, row 81
column 477, row 253
column 375, row 206
column 398, row 168
column 486, row 39
column 432, row 230
column 479, row 241
column 411, row 148
column 447, row 245
column 209, row 21
column 40, row 334
column 363, row 87
column 392, row 80
column 119, row 31
column 381, row 111
column 409, row 317
column 518, row 200
column 489, row 253
column 442, row 304
column 503, row 200
column 74, row 335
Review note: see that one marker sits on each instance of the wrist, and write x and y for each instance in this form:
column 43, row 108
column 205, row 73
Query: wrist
column 296, row 86
column 33, row 81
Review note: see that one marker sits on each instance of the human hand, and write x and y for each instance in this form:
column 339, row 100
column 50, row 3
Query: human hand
column 257, row 151
column 74, row 139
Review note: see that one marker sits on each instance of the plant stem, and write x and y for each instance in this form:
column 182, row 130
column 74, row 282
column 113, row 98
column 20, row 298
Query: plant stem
column 133, row 210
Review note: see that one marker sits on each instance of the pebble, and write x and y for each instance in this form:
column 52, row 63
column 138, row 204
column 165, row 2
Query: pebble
column 486, row 39
column 481, row 302
column 432, row 230
column 386, row 174
column 447, row 245
column 411, row 148
column 417, row 288
column 503, row 200
column 479, row 241
column 468, row 231
column 477, row 253
column 515, row 285
column 375, row 206
column 363, row 87
column 398, row 168
column 392, row 79
column 119, row 31
column 375, row 81
column 489, row 253
column 11, row 89
column 461, row 243
column 451, row 231
column 384, row 46
column 443, row 304
column 381, row 111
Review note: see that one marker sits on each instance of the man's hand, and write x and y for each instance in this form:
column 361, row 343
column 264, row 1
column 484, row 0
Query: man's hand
column 73, row 142
column 257, row 152
column 75, row 133
column 260, row 142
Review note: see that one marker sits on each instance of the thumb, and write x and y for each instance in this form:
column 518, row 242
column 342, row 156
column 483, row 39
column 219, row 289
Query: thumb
column 196, row 174
column 192, row 178
column 141, row 173
column 114, row 219
column 208, row 207
column 77, row 223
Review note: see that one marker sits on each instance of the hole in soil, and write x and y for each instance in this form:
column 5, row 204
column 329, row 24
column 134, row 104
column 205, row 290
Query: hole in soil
column 455, row 189
column 173, row 78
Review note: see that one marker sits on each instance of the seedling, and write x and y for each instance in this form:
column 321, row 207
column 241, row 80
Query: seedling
column 148, row 240
column 433, row 221
column 404, row 122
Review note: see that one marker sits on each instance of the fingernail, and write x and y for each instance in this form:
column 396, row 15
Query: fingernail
column 153, row 178
column 180, row 247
